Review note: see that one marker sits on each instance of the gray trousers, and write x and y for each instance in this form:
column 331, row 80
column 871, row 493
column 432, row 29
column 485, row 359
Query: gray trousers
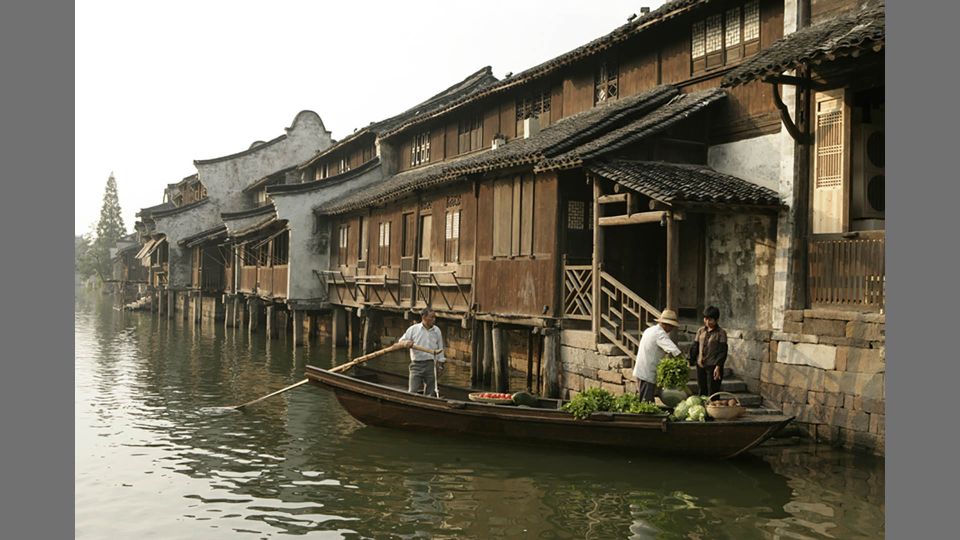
column 646, row 390
column 422, row 376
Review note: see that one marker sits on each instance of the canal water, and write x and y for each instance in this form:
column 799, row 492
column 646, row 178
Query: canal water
column 156, row 457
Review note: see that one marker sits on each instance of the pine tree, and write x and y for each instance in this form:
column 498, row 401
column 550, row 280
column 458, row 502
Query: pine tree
column 110, row 228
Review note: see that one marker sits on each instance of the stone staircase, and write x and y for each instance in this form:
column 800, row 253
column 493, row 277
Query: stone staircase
column 730, row 384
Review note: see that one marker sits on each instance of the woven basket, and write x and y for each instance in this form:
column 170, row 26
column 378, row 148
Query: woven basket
column 724, row 412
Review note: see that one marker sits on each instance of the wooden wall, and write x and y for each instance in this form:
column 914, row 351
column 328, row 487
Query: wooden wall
column 519, row 285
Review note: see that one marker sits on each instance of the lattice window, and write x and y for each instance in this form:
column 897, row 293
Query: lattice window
column 698, row 45
column 420, row 152
column 342, row 245
column 714, row 43
column 751, row 20
column 344, row 166
column 732, row 34
column 533, row 105
column 829, row 149
column 606, row 82
column 576, row 211
column 452, row 236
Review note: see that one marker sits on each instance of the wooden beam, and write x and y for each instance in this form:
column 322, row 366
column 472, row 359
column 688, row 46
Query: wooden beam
column 607, row 199
column 673, row 263
column 642, row 217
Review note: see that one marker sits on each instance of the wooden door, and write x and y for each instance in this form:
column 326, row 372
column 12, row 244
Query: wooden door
column 831, row 163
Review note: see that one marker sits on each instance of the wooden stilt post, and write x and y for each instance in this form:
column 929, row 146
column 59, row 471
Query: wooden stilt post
column 551, row 367
column 253, row 314
column 476, row 354
column 500, row 359
column 673, row 262
column 339, row 317
column 171, row 304
column 487, row 354
column 530, row 360
column 597, row 257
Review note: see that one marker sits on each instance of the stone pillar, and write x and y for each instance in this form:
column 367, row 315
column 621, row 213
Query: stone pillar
column 171, row 304
column 159, row 303
column 501, row 359
column 297, row 327
column 551, row 363
column 271, row 321
column 253, row 314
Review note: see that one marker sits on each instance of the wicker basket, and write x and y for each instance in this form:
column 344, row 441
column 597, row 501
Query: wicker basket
column 724, row 412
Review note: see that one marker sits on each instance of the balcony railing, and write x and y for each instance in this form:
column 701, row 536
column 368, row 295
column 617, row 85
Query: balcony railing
column 578, row 292
column 847, row 271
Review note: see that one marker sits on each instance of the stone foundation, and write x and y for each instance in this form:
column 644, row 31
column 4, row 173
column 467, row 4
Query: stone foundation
column 827, row 368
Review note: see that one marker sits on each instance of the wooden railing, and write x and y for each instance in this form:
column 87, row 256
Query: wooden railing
column 847, row 270
column 623, row 315
column 279, row 283
column 578, row 292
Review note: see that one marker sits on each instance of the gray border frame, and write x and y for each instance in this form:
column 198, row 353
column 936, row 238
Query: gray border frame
column 921, row 272
column 36, row 52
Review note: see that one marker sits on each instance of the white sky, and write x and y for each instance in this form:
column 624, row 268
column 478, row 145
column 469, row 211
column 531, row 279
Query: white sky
column 159, row 85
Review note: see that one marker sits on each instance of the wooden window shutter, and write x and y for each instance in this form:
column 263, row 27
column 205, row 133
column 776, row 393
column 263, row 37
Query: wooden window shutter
column 516, row 216
column 831, row 162
column 526, row 215
column 502, row 216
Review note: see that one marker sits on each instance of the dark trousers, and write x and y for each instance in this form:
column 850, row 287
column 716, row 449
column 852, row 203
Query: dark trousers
column 646, row 390
column 706, row 384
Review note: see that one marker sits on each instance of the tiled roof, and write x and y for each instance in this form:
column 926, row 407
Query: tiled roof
column 676, row 183
column 215, row 233
column 249, row 212
column 678, row 109
column 179, row 209
column 667, row 11
column 617, row 123
column 275, row 175
column 285, row 189
column 145, row 212
column 842, row 36
column 474, row 82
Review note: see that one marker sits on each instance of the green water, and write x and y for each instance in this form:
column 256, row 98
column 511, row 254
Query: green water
column 155, row 458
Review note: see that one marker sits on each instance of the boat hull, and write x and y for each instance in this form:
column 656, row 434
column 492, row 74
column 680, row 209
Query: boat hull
column 380, row 405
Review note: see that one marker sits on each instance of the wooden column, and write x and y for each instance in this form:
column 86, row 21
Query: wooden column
column 597, row 256
column 476, row 354
column 673, row 262
column 372, row 331
column 253, row 314
column 159, row 303
column 186, row 300
column 487, row 354
column 501, row 359
column 530, row 360
column 551, row 363
column 339, row 329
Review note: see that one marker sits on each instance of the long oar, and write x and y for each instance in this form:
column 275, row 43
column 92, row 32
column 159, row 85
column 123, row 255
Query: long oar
column 338, row 369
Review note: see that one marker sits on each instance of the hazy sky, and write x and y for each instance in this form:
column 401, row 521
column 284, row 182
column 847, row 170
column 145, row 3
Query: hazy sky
column 159, row 85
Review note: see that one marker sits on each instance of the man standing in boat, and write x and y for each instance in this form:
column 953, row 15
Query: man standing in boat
column 423, row 373
column 654, row 345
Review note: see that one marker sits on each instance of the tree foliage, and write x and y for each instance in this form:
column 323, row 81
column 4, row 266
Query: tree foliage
column 93, row 249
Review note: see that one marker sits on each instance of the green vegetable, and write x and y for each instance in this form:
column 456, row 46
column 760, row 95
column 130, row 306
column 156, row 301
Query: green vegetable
column 630, row 403
column 694, row 400
column 680, row 411
column 588, row 402
column 672, row 372
column 697, row 413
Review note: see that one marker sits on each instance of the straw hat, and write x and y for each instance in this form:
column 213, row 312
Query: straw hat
column 668, row 316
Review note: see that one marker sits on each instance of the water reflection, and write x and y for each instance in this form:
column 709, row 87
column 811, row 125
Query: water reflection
column 152, row 447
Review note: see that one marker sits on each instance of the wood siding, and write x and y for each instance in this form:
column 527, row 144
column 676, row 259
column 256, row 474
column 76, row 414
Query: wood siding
column 520, row 285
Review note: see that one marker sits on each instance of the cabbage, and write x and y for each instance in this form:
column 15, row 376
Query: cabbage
column 693, row 400
column 680, row 411
column 697, row 413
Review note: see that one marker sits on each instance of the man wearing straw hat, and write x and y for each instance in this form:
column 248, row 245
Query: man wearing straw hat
column 654, row 345
column 423, row 368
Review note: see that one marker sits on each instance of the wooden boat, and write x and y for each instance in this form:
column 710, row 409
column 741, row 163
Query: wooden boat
column 378, row 398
